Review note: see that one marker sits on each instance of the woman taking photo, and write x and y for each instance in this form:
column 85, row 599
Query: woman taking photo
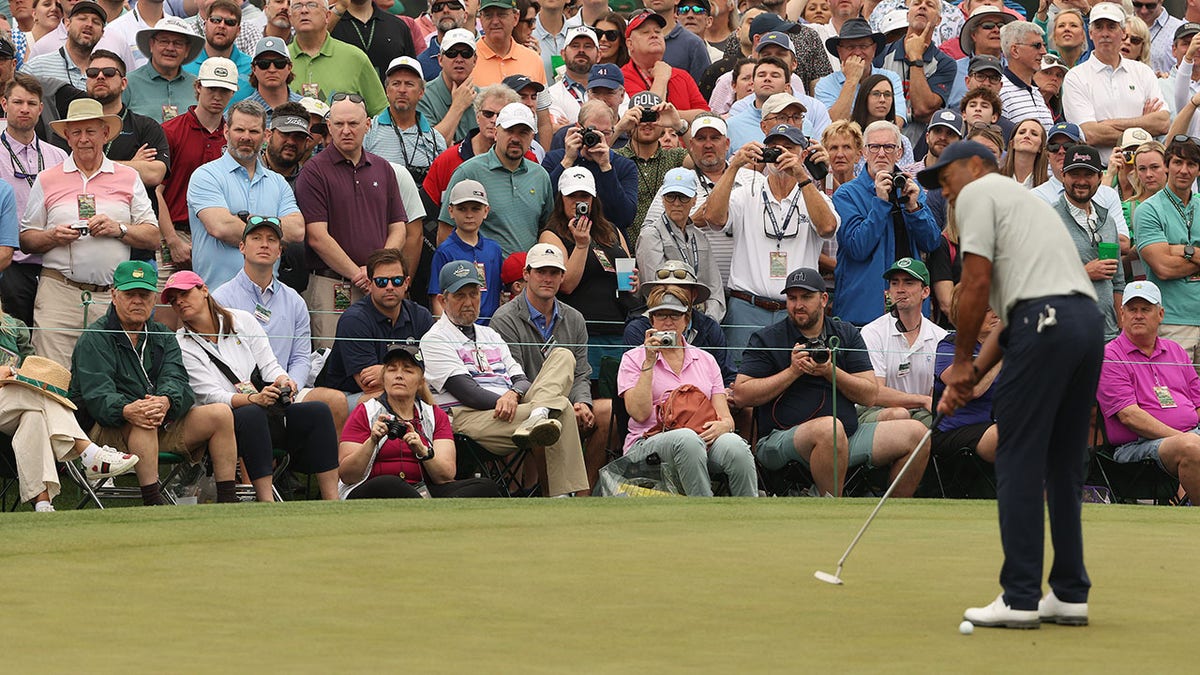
column 877, row 101
column 398, row 442
column 611, row 31
column 1027, row 161
column 591, row 244
column 229, row 360
column 647, row 377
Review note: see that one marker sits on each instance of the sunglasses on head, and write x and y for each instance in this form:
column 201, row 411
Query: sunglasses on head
column 443, row 6
column 344, row 96
column 262, row 220
column 382, row 282
column 610, row 35
column 459, row 53
column 1185, row 139
column 267, row 64
column 228, row 21
column 106, row 72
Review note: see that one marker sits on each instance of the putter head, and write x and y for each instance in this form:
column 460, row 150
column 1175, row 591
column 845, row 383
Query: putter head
column 828, row 578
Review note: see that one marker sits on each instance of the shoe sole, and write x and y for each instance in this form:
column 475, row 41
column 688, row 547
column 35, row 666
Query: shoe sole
column 1023, row 625
column 541, row 434
column 1066, row 620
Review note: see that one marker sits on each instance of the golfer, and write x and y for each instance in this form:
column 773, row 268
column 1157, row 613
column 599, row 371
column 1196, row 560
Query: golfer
column 1019, row 260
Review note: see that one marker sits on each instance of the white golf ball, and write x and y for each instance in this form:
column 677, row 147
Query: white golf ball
column 966, row 628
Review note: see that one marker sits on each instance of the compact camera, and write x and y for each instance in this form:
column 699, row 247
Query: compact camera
column 396, row 428
column 581, row 209
column 591, row 138
column 649, row 116
column 817, row 350
column 666, row 338
column 771, row 155
column 81, row 227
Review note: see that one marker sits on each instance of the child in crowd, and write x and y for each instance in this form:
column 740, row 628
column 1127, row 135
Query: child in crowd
column 468, row 209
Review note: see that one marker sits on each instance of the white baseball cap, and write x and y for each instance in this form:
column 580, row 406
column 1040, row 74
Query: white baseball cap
column 1142, row 289
column 468, row 191
column 576, row 179
column 315, row 106
column 710, row 122
column 1107, row 10
column 582, row 31
column 545, row 255
column 218, row 71
column 457, row 36
column 894, row 20
column 515, row 114
column 405, row 62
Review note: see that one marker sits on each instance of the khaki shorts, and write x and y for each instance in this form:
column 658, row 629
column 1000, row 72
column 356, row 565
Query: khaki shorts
column 170, row 439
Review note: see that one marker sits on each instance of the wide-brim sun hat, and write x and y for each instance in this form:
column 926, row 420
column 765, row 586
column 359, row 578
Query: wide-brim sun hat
column 44, row 376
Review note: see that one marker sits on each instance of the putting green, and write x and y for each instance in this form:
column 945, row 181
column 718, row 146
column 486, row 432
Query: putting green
column 575, row 585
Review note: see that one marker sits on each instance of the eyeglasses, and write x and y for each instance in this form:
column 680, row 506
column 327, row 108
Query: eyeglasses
column 266, row 64
column 178, row 43
column 883, row 93
column 694, row 9
column 345, row 96
column 794, row 119
column 443, row 6
column 382, row 282
column 876, row 148
column 677, row 197
column 489, row 114
column 1036, row 46
column 110, row 72
column 228, row 21
column 990, row 25
column 991, row 76
column 610, row 35
column 312, row 6
column 463, row 53
column 667, row 273
column 1134, row 39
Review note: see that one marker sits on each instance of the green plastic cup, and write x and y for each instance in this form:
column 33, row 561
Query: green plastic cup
column 1108, row 251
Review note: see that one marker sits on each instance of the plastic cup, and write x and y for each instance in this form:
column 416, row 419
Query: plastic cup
column 625, row 273
column 1108, row 251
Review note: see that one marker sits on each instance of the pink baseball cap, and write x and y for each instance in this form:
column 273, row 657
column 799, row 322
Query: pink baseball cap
column 183, row 280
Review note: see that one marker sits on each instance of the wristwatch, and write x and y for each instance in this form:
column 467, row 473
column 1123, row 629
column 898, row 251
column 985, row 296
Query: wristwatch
column 1188, row 251
column 682, row 128
column 919, row 63
column 124, row 231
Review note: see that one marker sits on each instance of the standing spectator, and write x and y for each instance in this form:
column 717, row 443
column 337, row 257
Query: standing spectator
column 85, row 26
column 776, row 45
column 1069, row 35
column 468, row 206
column 1162, row 32
column 945, row 127
column 812, row 59
column 161, row 90
column 1108, row 94
column 550, row 30
column 325, row 65
column 125, row 28
column 875, row 102
column 486, row 107
column 770, row 79
column 857, row 47
column 579, row 53
column 883, row 222
column 381, row 36
column 222, row 193
column 616, row 175
column 246, row 37
column 1186, row 80
column 351, row 205
column 500, row 55
column 645, row 149
column 287, row 143
column 221, row 29
column 520, row 188
column 980, row 37
column 401, row 134
column 29, row 157
column 646, row 71
column 445, row 15
column 448, row 98
column 611, row 31
column 782, row 224
column 58, row 37
column 270, row 75
column 1023, row 45
column 83, row 216
column 1150, row 166
column 683, row 48
column 928, row 73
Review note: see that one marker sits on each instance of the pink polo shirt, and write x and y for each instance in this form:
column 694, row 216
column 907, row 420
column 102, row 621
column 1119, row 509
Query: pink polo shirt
column 1128, row 377
column 699, row 369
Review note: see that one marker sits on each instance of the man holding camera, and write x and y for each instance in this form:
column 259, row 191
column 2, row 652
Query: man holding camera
column 589, row 145
column 777, row 223
column 886, row 220
column 797, row 404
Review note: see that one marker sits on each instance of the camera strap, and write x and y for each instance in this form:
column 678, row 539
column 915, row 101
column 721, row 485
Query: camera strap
column 694, row 261
column 780, row 233
column 903, row 247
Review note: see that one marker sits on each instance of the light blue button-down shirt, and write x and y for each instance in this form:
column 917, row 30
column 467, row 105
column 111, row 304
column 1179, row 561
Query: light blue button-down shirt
column 287, row 327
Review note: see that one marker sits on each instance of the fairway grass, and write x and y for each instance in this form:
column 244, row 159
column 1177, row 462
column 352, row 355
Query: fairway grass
column 571, row 585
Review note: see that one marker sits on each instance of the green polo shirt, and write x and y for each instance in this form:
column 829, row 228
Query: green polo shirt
column 520, row 201
column 148, row 92
column 1157, row 221
column 435, row 103
column 338, row 67
column 650, row 178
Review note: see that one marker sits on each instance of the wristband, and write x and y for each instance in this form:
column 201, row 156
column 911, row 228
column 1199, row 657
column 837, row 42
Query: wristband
column 803, row 184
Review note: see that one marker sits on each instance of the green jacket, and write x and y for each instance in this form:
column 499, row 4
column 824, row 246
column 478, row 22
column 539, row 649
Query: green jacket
column 14, row 339
column 105, row 366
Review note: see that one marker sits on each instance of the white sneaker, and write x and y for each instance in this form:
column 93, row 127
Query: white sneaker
column 43, row 507
column 538, row 430
column 1000, row 615
column 1053, row 610
column 104, row 462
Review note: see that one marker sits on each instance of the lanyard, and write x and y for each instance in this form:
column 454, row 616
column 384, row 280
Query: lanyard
column 1186, row 213
column 141, row 356
column 575, row 89
column 108, row 145
column 19, row 170
column 695, row 261
column 780, row 232
column 416, row 145
column 370, row 34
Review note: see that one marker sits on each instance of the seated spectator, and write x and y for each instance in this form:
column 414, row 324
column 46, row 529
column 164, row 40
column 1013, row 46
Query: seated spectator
column 1151, row 412
column 128, row 375
column 373, row 463
column 592, row 245
column 793, row 395
column 1120, row 167
column 928, row 72
column 611, row 31
column 675, row 237
column 776, row 48
column 751, row 122
column 970, row 426
column 1027, row 161
column 536, row 322
column 616, row 176
column 229, row 362
column 369, row 325
column 468, row 208
column 473, row 374
column 646, row 71
column 677, row 278
column 648, row 376
column 902, row 344
column 448, row 97
column 1150, row 176
column 37, row 415
column 279, row 309
column 875, row 101
column 1049, row 80
column 883, row 222
column 512, row 275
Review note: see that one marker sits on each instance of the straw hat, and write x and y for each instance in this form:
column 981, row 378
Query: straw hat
column 84, row 109
column 44, row 376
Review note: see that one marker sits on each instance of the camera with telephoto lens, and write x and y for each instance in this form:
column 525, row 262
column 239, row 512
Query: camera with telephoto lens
column 817, row 350
column 581, row 209
column 818, row 170
column 649, row 115
column 666, row 338
column 771, row 154
column 396, row 428
column 285, row 396
column 591, row 138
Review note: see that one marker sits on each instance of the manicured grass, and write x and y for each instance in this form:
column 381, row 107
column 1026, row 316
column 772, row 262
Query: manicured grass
column 580, row 585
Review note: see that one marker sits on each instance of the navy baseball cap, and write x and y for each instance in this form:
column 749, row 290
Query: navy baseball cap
column 787, row 132
column 519, row 82
column 806, row 278
column 606, row 75
column 768, row 22
column 456, row 274
column 775, row 38
column 949, row 118
column 953, row 152
column 1067, row 129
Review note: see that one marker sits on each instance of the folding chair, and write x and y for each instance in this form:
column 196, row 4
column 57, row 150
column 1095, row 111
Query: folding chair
column 9, row 481
column 507, row 471
column 1128, row 482
column 107, row 488
column 606, row 387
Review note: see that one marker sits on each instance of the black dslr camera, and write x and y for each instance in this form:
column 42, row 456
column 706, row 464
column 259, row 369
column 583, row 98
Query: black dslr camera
column 817, row 350
column 396, row 428
column 285, row 396
column 590, row 137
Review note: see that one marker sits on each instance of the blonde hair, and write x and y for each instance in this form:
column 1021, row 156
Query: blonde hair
column 843, row 128
column 658, row 294
column 1135, row 26
column 1139, row 190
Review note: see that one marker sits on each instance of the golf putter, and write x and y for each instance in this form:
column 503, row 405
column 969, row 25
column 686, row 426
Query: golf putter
column 836, row 577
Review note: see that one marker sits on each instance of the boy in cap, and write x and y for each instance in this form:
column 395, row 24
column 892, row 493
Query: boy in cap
column 468, row 206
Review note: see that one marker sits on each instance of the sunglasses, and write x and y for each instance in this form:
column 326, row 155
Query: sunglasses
column 489, row 114
column 1185, row 139
column 443, row 6
column 991, row 25
column 1145, row 5
column 343, row 96
column 1134, row 40
column 382, row 282
column 463, row 53
column 109, row 72
column 694, row 9
column 666, row 274
column 228, row 21
column 610, row 35
column 1055, row 148
column 1036, row 46
column 266, row 64
column 262, row 220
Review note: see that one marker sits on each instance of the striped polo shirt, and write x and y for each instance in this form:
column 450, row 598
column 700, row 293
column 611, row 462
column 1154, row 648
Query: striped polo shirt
column 1020, row 101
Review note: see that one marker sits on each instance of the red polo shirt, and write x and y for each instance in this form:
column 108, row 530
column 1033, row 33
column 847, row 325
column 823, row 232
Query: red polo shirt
column 191, row 145
column 682, row 91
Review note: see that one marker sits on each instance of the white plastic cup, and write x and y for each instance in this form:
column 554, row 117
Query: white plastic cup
column 625, row 273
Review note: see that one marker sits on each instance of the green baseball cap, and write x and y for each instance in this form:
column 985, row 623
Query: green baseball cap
column 133, row 274
column 910, row 266
column 507, row 4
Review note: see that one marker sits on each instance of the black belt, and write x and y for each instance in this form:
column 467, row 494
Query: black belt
column 759, row 301
column 183, row 226
column 330, row 274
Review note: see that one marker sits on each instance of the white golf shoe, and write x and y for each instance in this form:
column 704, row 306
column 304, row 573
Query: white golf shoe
column 1000, row 615
column 1053, row 610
